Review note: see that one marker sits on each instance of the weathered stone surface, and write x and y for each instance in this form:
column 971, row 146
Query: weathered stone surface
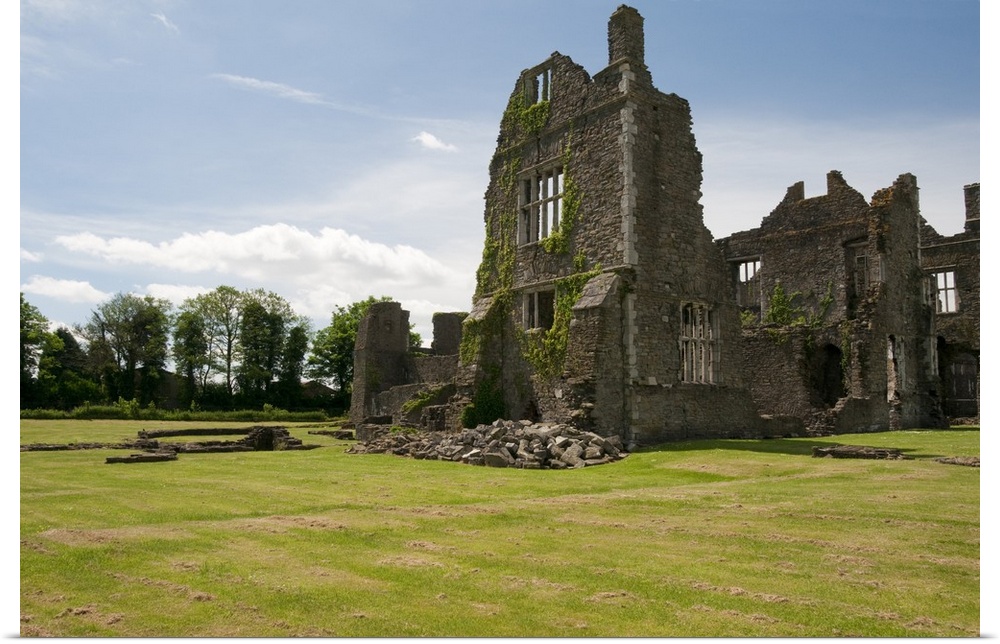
column 257, row 438
column 339, row 434
column 858, row 451
column 146, row 457
column 498, row 458
column 502, row 444
column 595, row 190
column 968, row 461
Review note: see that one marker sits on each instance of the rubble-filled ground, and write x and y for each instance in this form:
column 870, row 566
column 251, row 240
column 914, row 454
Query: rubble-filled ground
column 505, row 443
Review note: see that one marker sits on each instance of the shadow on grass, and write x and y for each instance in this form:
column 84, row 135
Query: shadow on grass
column 792, row 446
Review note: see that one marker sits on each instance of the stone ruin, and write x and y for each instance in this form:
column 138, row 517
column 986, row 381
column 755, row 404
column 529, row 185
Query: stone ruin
column 859, row 451
column 259, row 438
column 520, row 444
column 603, row 302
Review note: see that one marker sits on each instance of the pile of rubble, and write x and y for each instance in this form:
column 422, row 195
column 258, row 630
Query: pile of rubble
column 505, row 443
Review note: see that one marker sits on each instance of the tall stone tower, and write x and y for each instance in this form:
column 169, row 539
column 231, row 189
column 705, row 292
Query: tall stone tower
column 601, row 298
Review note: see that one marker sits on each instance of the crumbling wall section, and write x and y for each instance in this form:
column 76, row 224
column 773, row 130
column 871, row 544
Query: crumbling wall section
column 851, row 290
column 816, row 247
column 447, row 333
column 387, row 375
column 957, row 330
column 380, row 353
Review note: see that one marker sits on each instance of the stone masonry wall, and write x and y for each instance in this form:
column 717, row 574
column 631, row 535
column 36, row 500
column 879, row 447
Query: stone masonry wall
column 957, row 333
column 852, row 269
column 379, row 355
column 630, row 151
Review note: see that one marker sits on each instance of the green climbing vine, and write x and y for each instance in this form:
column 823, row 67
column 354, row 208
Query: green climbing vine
column 557, row 242
column 530, row 118
column 422, row 399
column 782, row 309
column 546, row 351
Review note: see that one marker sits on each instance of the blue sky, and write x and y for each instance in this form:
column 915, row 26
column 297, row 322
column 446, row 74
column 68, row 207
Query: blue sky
column 331, row 150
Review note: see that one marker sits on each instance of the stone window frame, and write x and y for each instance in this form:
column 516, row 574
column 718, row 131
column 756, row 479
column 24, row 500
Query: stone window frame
column 859, row 265
column 538, row 308
column 945, row 294
column 747, row 274
column 744, row 274
column 540, row 201
column 538, row 84
column 698, row 344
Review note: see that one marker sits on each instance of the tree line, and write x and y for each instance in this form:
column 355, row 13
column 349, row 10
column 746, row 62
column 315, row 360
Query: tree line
column 228, row 349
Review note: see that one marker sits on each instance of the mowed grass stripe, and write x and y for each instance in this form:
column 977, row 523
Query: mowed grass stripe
column 715, row 538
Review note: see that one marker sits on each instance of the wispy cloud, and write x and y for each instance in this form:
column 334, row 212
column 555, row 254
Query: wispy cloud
column 163, row 20
column 279, row 90
column 290, row 93
column 28, row 256
column 67, row 290
column 431, row 142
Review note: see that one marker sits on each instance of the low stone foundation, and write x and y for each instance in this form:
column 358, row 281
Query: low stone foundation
column 259, row 438
column 146, row 457
column 858, row 451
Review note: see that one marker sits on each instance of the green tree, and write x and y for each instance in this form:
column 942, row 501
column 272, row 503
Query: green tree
column 191, row 355
column 291, row 367
column 265, row 321
column 261, row 333
column 127, row 340
column 63, row 379
column 218, row 313
column 34, row 335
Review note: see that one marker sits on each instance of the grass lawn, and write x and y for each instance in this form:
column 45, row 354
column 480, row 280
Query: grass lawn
column 736, row 538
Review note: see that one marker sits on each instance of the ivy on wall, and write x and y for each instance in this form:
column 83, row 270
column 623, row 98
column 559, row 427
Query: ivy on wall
column 546, row 350
column 558, row 240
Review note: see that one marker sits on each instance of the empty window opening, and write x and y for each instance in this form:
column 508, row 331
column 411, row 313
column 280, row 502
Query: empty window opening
column 541, row 86
column 541, row 204
column 860, row 270
column 857, row 273
column 947, row 294
column 539, row 309
column 748, row 288
column 748, row 270
column 698, row 344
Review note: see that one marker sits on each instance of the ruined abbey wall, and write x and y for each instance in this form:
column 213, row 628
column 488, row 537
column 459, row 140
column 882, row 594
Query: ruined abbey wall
column 602, row 300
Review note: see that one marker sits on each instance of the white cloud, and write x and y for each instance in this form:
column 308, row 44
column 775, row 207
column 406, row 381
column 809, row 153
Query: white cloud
column 175, row 293
column 28, row 256
column 262, row 252
column 67, row 290
column 431, row 142
column 163, row 20
column 330, row 263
